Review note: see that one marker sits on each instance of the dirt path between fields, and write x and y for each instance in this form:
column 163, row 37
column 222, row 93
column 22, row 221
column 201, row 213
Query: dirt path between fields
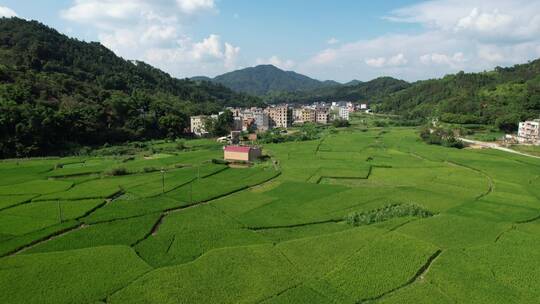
column 495, row 146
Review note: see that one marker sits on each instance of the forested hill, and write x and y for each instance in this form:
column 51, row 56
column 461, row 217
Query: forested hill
column 265, row 79
column 58, row 93
column 503, row 96
column 372, row 91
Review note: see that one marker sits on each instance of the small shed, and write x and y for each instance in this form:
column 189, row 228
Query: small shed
column 241, row 153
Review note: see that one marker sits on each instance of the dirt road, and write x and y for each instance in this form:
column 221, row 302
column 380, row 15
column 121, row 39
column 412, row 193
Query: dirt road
column 495, row 146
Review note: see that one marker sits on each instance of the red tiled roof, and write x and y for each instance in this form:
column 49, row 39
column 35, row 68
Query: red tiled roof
column 237, row 149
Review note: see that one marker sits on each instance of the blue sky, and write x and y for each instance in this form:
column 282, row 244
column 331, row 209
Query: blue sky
column 340, row 39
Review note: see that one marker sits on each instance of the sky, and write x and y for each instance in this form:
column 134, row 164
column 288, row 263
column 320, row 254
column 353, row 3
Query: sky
column 339, row 40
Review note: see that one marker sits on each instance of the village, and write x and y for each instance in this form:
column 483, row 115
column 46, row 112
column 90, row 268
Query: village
column 253, row 120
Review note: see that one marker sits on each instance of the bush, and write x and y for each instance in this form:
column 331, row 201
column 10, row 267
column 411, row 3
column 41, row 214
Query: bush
column 380, row 123
column 441, row 137
column 508, row 123
column 220, row 161
column 117, row 171
column 341, row 123
column 386, row 213
column 150, row 169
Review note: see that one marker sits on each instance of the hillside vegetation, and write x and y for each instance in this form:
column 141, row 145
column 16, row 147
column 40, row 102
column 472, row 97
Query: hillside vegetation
column 57, row 92
column 503, row 97
column 372, row 91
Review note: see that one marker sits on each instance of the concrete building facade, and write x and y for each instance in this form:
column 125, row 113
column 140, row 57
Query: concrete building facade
column 529, row 132
column 280, row 116
column 262, row 121
column 322, row 116
column 343, row 113
column 197, row 125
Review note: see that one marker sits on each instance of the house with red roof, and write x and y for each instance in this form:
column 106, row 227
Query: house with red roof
column 241, row 153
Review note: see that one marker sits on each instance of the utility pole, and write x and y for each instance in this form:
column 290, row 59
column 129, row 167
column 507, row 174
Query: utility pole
column 162, row 180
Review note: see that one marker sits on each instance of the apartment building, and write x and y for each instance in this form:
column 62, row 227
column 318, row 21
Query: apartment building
column 322, row 116
column 262, row 120
column 529, row 132
column 280, row 116
column 343, row 113
column 309, row 115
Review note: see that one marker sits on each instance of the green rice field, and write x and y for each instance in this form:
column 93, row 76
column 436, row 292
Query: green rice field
column 431, row 225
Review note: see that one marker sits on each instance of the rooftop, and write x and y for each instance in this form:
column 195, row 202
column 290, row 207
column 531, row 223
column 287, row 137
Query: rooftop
column 241, row 149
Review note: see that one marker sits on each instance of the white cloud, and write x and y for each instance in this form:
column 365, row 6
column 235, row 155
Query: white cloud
column 154, row 31
column 393, row 61
column 472, row 35
column 278, row 62
column 332, row 40
column 376, row 62
column 192, row 6
column 444, row 59
column 7, row 12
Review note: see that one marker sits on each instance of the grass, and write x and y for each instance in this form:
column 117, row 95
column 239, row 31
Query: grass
column 275, row 232
column 121, row 232
column 77, row 276
column 251, row 273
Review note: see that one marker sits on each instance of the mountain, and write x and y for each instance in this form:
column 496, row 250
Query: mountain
column 353, row 82
column 503, row 97
column 371, row 91
column 265, row 79
column 58, row 93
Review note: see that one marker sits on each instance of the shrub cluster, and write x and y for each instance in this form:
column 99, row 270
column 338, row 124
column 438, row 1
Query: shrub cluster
column 117, row 171
column 441, row 137
column 386, row 213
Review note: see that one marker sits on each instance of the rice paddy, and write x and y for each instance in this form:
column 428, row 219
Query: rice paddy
column 177, row 228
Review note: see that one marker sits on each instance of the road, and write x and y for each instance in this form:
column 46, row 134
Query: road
column 495, row 146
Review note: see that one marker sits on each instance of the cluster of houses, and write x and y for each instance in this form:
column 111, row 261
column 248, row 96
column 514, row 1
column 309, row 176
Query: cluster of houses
column 281, row 116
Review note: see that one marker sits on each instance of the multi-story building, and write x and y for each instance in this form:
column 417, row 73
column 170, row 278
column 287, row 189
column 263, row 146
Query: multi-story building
column 262, row 121
column 343, row 113
column 237, row 123
column 529, row 132
column 309, row 115
column 280, row 116
column 297, row 115
column 321, row 116
column 197, row 125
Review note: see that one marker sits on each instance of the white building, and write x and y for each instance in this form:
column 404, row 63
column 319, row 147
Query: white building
column 529, row 132
column 197, row 125
column 343, row 113
column 363, row 106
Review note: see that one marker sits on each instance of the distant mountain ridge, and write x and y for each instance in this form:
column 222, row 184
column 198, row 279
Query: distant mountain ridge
column 264, row 79
column 373, row 91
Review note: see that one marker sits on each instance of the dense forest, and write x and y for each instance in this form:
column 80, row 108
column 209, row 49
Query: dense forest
column 58, row 94
column 502, row 97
